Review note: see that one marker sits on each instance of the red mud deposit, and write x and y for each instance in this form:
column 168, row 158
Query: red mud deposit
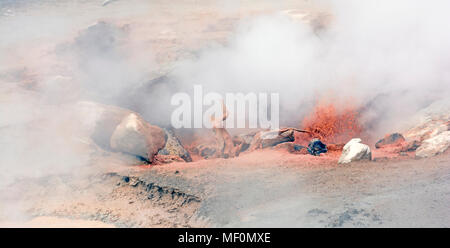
column 331, row 125
column 272, row 157
column 267, row 158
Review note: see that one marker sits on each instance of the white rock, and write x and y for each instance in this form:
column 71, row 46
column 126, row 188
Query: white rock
column 434, row 145
column 354, row 150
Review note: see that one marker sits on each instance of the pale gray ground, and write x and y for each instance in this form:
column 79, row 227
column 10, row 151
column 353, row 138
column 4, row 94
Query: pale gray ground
column 251, row 192
column 412, row 193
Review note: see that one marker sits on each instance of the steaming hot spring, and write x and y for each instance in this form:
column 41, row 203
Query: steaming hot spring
column 326, row 131
column 86, row 110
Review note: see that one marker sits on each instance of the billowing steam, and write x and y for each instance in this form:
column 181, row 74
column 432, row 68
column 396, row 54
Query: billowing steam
column 52, row 57
column 387, row 59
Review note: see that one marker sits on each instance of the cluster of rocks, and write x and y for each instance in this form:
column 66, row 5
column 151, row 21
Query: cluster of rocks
column 429, row 135
column 433, row 145
column 121, row 130
column 280, row 139
column 283, row 139
column 249, row 142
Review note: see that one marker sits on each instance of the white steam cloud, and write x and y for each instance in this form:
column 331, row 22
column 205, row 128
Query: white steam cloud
column 387, row 58
column 51, row 56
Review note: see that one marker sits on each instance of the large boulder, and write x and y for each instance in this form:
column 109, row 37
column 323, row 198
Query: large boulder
column 173, row 147
column 354, row 150
column 137, row 137
column 435, row 145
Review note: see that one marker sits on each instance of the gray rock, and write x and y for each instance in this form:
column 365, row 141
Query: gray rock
column 316, row 147
column 391, row 139
column 174, row 147
column 270, row 138
column 243, row 141
column 205, row 151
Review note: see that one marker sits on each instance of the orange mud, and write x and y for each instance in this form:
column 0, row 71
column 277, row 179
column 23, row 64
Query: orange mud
column 331, row 125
